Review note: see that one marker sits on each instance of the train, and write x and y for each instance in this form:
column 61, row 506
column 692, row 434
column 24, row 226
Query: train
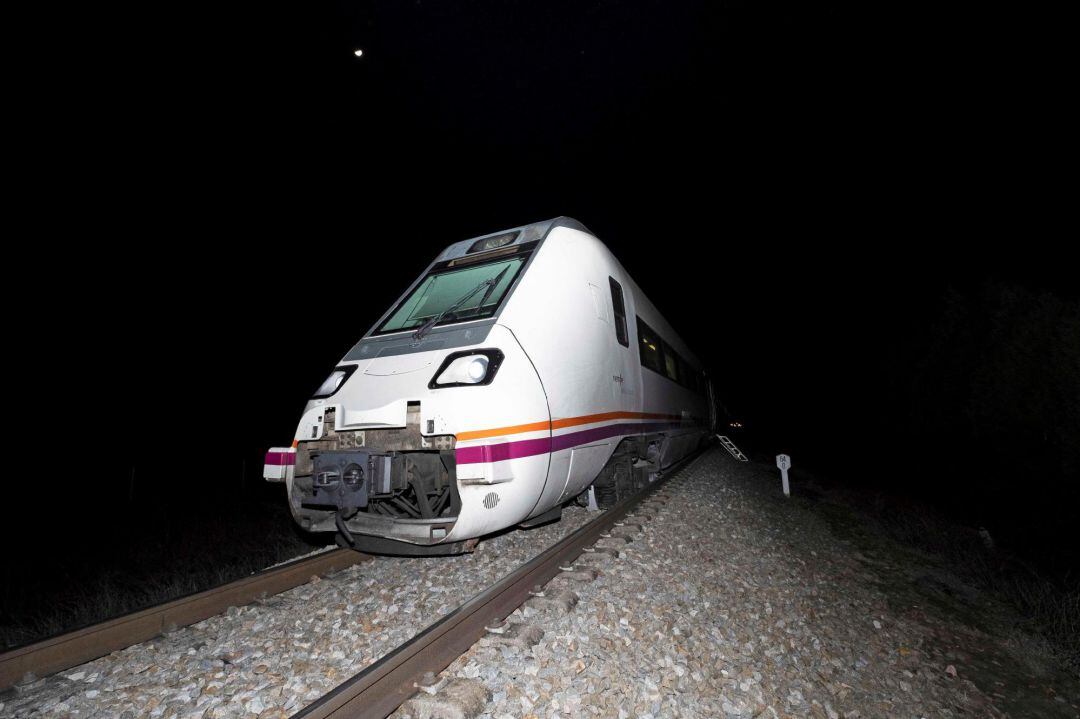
column 521, row 371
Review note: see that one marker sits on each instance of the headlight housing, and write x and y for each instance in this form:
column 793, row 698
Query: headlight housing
column 468, row 368
column 334, row 381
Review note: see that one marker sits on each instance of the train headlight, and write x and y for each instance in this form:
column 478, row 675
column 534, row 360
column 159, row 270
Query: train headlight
column 334, row 381
column 471, row 367
column 477, row 368
column 464, row 370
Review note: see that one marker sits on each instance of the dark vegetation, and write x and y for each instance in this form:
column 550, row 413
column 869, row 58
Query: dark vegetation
column 969, row 450
column 984, row 416
column 162, row 550
column 1048, row 605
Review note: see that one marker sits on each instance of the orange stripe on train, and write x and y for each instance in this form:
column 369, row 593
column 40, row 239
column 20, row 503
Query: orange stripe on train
column 559, row 424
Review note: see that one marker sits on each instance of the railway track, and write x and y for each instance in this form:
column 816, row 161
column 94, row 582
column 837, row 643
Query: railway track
column 385, row 685
column 70, row 649
column 382, row 686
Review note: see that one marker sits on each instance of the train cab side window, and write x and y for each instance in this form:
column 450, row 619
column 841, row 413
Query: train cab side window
column 649, row 347
column 619, row 307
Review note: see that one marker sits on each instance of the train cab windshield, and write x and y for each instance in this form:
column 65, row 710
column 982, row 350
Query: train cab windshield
column 457, row 293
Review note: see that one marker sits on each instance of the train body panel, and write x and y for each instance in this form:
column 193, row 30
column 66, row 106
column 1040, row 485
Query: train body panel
column 502, row 384
column 561, row 317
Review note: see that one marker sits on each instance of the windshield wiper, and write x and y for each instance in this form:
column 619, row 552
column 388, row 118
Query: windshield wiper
column 490, row 284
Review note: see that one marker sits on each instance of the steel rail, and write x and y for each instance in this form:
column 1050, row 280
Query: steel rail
column 70, row 649
column 385, row 685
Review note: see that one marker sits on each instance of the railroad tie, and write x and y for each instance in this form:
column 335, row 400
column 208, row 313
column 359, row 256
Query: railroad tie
column 522, row 636
column 555, row 600
column 573, row 573
column 456, row 699
column 612, row 542
column 627, row 530
column 598, row 555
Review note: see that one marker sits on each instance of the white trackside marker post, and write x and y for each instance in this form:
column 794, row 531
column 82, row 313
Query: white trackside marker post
column 784, row 463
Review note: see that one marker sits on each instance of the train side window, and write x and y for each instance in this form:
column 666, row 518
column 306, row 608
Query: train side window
column 671, row 363
column 619, row 306
column 686, row 378
column 649, row 347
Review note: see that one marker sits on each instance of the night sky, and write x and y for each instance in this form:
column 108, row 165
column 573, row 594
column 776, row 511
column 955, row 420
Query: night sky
column 796, row 186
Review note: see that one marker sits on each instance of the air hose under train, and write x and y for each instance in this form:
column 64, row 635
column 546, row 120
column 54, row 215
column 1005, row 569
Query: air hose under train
column 343, row 532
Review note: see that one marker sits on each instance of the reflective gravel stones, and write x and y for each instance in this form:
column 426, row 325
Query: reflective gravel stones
column 732, row 601
column 274, row 657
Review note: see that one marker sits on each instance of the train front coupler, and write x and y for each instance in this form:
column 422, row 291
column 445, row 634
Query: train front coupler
column 348, row 479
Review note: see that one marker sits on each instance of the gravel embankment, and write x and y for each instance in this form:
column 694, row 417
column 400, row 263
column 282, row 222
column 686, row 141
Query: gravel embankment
column 731, row 602
column 736, row 602
column 270, row 659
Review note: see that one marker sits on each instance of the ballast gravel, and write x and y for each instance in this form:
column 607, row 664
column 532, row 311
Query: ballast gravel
column 734, row 601
column 272, row 658
column 729, row 601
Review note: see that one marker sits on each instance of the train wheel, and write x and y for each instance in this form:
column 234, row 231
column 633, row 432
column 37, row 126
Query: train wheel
column 624, row 476
column 615, row 481
column 607, row 490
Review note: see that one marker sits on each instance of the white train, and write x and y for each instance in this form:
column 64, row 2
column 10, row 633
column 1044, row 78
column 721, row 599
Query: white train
column 519, row 369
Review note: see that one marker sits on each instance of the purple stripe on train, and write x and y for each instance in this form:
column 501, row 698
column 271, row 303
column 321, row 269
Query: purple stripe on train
column 506, row 450
column 530, row 447
column 278, row 459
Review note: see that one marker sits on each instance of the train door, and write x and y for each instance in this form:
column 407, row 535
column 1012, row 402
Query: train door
column 623, row 361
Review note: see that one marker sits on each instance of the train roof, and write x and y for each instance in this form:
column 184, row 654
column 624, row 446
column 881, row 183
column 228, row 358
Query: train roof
column 532, row 232
column 539, row 231
column 525, row 233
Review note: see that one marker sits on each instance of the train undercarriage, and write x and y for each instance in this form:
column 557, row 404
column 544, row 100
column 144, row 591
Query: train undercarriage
column 394, row 483
column 394, row 491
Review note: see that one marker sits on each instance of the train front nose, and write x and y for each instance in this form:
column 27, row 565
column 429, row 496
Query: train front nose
column 380, row 460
